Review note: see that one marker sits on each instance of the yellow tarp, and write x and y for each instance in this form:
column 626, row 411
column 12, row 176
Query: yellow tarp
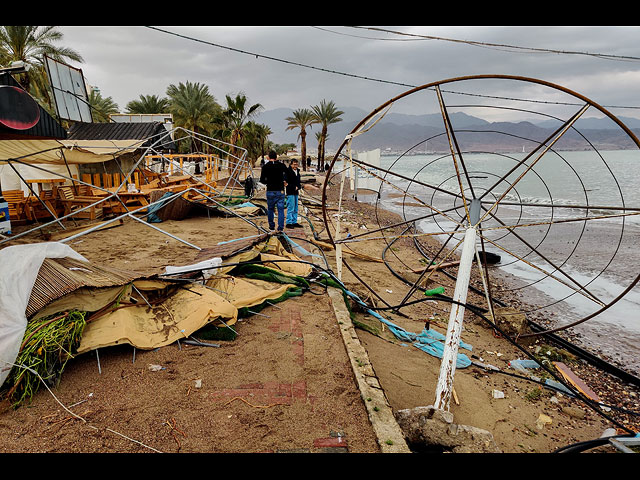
column 146, row 328
column 247, row 292
column 273, row 251
column 269, row 252
column 176, row 315
column 245, row 256
column 87, row 299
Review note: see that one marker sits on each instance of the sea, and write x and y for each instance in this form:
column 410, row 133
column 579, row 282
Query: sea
column 567, row 267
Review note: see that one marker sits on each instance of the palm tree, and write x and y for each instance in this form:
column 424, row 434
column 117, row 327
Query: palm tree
column 302, row 118
column 255, row 140
column 148, row 104
column 192, row 106
column 235, row 117
column 263, row 132
column 101, row 107
column 320, row 139
column 29, row 44
column 326, row 113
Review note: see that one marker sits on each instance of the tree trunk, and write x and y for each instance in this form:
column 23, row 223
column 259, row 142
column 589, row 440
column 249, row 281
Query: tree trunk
column 323, row 139
column 303, row 150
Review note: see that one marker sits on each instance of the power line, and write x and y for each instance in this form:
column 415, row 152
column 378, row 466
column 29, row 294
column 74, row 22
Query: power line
column 257, row 55
column 336, row 72
column 503, row 46
column 369, row 38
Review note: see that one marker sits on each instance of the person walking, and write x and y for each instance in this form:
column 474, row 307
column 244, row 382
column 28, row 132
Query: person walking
column 293, row 189
column 274, row 176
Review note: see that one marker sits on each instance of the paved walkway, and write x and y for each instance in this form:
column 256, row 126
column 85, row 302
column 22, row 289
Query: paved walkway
column 389, row 434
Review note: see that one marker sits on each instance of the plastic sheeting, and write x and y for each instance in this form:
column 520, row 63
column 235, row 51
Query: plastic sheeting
column 429, row 341
column 19, row 267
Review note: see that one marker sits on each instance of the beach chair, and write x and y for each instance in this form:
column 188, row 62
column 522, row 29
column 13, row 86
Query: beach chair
column 72, row 202
column 20, row 210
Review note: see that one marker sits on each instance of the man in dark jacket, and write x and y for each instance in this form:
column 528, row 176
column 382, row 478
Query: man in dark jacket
column 274, row 176
column 293, row 189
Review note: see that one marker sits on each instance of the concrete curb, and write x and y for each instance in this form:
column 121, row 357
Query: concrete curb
column 390, row 436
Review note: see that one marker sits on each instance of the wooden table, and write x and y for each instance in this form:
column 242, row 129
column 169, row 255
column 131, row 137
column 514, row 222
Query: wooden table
column 175, row 180
column 133, row 198
column 40, row 182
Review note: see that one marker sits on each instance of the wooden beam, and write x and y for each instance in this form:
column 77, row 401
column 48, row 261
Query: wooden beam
column 574, row 380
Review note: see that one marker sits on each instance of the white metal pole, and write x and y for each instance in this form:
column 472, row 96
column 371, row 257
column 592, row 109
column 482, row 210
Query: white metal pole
column 456, row 317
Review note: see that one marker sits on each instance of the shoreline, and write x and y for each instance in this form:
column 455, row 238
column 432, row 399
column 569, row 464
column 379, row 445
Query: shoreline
column 601, row 334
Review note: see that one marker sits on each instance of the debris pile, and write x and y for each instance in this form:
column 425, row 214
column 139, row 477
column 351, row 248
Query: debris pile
column 56, row 305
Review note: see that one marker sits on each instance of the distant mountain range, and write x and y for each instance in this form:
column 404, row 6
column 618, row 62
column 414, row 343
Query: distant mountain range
column 398, row 132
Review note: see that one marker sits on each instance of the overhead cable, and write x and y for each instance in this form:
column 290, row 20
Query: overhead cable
column 335, row 72
column 605, row 56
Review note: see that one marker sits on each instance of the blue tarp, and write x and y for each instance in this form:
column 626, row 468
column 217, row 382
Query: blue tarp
column 524, row 366
column 301, row 250
column 429, row 341
column 151, row 211
column 242, row 205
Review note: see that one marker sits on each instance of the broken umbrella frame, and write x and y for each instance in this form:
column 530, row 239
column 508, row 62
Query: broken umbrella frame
column 158, row 142
column 475, row 211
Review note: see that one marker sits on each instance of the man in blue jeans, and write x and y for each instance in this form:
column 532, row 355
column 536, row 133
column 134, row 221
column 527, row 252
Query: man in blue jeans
column 274, row 176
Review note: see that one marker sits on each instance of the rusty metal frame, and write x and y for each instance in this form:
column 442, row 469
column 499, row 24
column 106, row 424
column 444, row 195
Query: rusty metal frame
column 583, row 104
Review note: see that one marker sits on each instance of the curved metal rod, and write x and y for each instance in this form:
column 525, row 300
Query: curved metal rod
column 557, row 87
column 559, row 133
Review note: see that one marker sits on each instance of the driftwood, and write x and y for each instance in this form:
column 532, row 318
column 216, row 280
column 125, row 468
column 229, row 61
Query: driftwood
column 436, row 267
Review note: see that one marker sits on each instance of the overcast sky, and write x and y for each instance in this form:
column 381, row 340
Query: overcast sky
column 297, row 67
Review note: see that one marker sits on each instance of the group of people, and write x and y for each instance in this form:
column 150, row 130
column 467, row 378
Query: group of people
column 283, row 187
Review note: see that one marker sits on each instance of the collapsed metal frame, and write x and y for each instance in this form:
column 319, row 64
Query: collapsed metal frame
column 475, row 212
column 158, row 141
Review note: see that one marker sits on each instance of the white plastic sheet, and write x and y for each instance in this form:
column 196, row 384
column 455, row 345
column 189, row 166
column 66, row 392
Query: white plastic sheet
column 19, row 267
column 208, row 267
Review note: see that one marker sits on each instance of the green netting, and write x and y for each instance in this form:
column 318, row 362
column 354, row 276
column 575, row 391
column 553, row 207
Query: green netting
column 269, row 275
column 234, row 200
column 215, row 332
column 49, row 343
column 289, row 293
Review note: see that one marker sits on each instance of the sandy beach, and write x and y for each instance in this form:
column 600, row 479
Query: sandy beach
column 233, row 412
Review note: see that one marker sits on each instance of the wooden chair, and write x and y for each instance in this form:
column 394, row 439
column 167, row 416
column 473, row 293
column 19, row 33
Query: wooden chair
column 111, row 205
column 20, row 210
column 41, row 211
column 74, row 202
column 146, row 187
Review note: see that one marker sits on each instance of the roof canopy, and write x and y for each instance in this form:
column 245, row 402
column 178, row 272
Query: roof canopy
column 86, row 143
column 56, row 152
